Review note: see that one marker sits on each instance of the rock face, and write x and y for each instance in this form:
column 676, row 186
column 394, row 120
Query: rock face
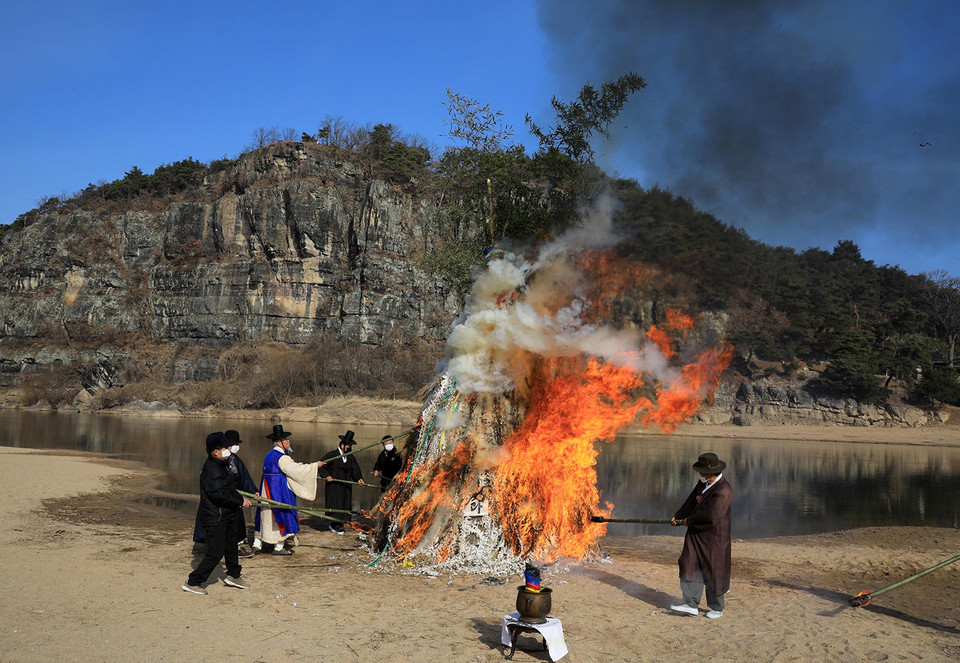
column 766, row 403
column 293, row 241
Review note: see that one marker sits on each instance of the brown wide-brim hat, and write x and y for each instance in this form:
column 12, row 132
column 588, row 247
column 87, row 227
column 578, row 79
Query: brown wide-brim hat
column 278, row 433
column 709, row 463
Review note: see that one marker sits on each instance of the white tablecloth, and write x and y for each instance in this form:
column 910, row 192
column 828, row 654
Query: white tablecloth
column 551, row 630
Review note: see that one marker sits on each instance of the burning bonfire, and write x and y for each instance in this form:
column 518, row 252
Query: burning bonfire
column 501, row 467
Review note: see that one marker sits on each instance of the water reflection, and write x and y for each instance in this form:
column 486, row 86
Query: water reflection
column 781, row 487
column 176, row 445
column 784, row 487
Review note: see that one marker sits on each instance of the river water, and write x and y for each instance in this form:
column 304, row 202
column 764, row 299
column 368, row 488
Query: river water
column 780, row 487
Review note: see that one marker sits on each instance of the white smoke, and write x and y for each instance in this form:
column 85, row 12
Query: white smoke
column 510, row 316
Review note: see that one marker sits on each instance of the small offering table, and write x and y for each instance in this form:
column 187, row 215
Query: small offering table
column 551, row 630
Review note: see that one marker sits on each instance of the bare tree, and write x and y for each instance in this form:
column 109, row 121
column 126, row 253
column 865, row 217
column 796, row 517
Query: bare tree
column 339, row 132
column 943, row 297
column 262, row 136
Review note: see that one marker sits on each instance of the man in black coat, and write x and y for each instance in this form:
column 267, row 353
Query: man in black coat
column 340, row 495
column 245, row 483
column 705, row 558
column 219, row 503
column 388, row 463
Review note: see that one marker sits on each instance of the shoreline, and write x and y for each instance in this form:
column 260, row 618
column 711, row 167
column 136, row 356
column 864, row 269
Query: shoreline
column 356, row 410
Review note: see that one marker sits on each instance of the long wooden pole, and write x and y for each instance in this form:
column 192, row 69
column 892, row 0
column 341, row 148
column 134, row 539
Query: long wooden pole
column 648, row 521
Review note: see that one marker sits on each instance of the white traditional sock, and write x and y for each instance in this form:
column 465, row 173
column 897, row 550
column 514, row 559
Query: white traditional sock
column 257, row 543
column 278, row 546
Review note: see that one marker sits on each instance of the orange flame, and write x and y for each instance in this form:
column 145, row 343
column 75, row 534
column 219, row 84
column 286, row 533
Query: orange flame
column 857, row 602
column 545, row 493
column 610, row 277
column 435, row 486
column 680, row 400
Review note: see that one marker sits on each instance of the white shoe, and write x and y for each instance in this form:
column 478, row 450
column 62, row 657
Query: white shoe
column 239, row 582
column 685, row 608
column 715, row 614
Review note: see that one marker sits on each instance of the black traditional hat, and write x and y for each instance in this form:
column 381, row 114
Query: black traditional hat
column 347, row 438
column 217, row 441
column 278, row 433
column 709, row 463
column 233, row 436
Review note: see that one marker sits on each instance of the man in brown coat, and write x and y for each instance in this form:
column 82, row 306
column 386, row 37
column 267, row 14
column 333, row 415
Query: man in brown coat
column 705, row 559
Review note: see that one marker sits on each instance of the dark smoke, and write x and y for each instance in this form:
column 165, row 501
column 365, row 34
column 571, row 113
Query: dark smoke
column 802, row 122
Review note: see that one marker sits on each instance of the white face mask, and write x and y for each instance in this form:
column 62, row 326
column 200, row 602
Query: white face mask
column 225, row 453
column 703, row 479
column 388, row 447
column 235, row 448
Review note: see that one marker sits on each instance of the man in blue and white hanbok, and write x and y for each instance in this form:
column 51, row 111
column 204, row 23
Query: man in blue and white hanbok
column 283, row 480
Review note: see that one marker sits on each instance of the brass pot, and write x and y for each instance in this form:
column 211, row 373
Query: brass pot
column 533, row 606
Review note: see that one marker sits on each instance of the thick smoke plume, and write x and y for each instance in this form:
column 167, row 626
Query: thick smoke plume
column 491, row 344
column 803, row 122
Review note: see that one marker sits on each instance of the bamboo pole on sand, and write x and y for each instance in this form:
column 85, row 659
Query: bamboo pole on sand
column 863, row 598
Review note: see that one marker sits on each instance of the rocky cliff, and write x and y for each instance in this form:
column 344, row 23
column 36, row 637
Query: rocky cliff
column 767, row 402
column 292, row 241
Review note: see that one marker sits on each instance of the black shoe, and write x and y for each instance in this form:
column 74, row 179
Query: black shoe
column 282, row 553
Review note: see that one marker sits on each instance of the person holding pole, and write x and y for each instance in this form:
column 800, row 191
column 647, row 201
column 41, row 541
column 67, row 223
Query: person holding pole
column 388, row 463
column 338, row 466
column 283, row 480
column 244, row 482
column 705, row 559
column 219, row 503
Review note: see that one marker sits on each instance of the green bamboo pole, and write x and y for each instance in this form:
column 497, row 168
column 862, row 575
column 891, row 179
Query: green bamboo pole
column 301, row 509
column 863, row 598
column 270, row 504
column 647, row 521
column 281, row 505
column 355, row 483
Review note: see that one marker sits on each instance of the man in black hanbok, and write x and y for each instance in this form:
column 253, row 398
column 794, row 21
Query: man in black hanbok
column 245, row 483
column 219, row 502
column 388, row 463
column 340, row 495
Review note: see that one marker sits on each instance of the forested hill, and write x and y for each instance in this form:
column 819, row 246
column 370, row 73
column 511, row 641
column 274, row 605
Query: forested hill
column 335, row 263
column 816, row 307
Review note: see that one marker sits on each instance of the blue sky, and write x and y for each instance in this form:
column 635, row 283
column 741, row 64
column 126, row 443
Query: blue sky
column 804, row 123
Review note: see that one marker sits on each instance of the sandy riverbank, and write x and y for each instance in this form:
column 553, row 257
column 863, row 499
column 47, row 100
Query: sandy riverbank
column 92, row 575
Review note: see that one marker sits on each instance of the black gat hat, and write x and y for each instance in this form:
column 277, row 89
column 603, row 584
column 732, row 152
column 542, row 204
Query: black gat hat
column 278, row 433
column 709, row 463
